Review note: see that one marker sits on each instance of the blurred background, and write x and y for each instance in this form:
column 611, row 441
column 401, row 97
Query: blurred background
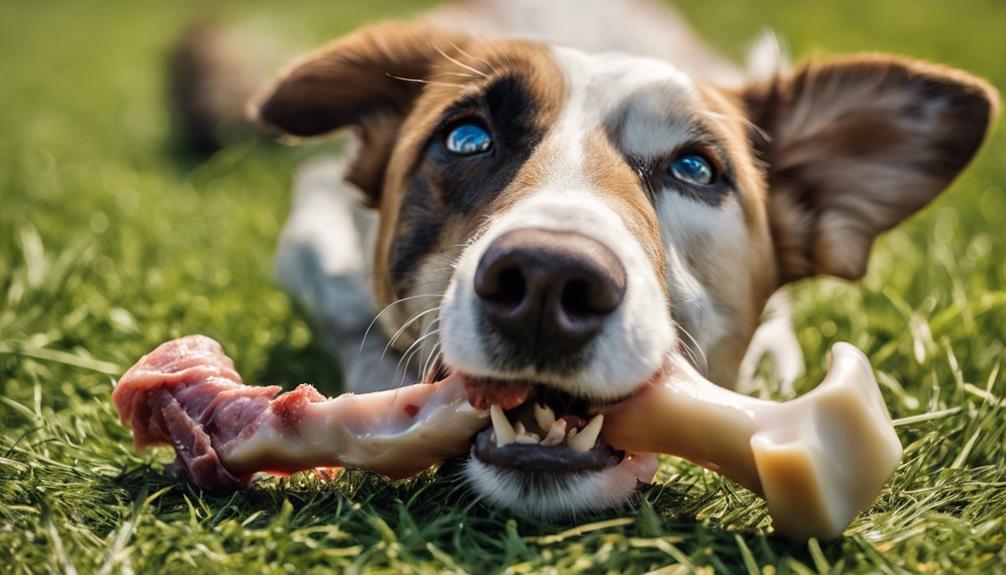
column 113, row 240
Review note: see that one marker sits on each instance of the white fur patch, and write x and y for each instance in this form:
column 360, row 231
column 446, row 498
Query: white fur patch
column 696, row 234
column 557, row 496
column 654, row 94
column 774, row 338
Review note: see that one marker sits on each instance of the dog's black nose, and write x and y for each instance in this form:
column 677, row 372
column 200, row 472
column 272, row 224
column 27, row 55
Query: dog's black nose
column 549, row 290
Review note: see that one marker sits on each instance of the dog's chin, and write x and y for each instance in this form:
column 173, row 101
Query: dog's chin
column 559, row 494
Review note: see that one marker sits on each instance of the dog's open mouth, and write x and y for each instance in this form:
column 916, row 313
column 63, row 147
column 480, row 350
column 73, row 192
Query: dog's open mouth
column 543, row 453
column 549, row 431
column 537, row 428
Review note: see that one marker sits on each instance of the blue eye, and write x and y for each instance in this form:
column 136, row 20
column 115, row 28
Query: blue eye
column 692, row 169
column 468, row 140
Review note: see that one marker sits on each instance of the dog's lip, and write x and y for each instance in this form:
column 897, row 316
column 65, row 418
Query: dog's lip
column 440, row 371
column 535, row 457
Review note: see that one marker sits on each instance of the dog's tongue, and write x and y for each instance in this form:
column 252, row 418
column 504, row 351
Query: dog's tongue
column 484, row 392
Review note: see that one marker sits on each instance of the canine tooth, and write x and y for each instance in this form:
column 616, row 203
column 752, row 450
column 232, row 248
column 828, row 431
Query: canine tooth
column 544, row 416
column 504, row 431
column 556, row 433
column 530, row 438
column 585, row 439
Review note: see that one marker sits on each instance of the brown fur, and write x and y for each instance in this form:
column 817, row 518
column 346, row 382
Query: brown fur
column 613, row 177
column 367, row 80
column 856, row 145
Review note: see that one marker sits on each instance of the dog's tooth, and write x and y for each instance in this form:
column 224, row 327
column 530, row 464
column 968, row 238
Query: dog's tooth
column 529, row 438
column 556, row 433
column 525, row 436
column 544, row 416
column 504, row 431
column 587, row 437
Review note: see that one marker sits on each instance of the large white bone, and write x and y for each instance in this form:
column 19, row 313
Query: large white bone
column 818, row 460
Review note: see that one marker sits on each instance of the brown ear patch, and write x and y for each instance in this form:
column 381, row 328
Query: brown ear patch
column 377, row 69
column 368, row 80
column 856, row 145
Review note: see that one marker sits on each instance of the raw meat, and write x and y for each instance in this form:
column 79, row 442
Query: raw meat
column 186, row 393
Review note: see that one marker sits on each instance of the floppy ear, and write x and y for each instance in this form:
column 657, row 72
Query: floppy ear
column 856, row 145
column 367, row 80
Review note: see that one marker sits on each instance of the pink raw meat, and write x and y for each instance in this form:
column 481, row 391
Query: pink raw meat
column 187, row 394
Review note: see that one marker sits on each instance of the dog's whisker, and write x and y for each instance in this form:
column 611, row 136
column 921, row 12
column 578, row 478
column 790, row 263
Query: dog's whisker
column 404, row 370
column 691, row 352
column 407, row 356
column 466, row 53
column 460, row 63
column 453, row 74
column 431, row 359
column 422, row 81
column 435, row 349
column 405, row 326
column 385, row 309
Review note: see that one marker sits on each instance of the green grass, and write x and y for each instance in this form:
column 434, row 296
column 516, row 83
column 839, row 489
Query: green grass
column 110, row 244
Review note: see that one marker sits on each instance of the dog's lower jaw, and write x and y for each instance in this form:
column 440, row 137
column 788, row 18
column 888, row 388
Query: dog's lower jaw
column 559, row 495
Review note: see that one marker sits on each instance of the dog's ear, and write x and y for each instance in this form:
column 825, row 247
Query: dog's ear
column 856, row 145
column 367, row 80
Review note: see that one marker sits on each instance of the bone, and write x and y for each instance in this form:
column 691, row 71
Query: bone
column 374, row 431
column 187, row 394
column 817, row 460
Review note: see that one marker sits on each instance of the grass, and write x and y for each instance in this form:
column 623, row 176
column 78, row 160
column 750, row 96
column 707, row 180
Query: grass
column 110, row 244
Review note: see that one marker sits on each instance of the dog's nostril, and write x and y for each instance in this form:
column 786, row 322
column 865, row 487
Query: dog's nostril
column 501, row 284
column 511, row 287
column 575, row 299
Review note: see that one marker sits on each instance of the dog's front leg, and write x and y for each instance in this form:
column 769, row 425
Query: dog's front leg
column 775, row 338
column 322, row 263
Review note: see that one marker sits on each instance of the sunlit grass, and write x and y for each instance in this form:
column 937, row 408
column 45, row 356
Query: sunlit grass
column 109, row 244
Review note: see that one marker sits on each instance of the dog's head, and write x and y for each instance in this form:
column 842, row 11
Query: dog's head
column 554, row 224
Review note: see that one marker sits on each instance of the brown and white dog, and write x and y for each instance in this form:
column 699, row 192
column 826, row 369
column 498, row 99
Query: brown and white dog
column 570, row 192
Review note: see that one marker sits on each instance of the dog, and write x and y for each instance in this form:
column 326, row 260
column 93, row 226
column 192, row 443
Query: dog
column 565, row 194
